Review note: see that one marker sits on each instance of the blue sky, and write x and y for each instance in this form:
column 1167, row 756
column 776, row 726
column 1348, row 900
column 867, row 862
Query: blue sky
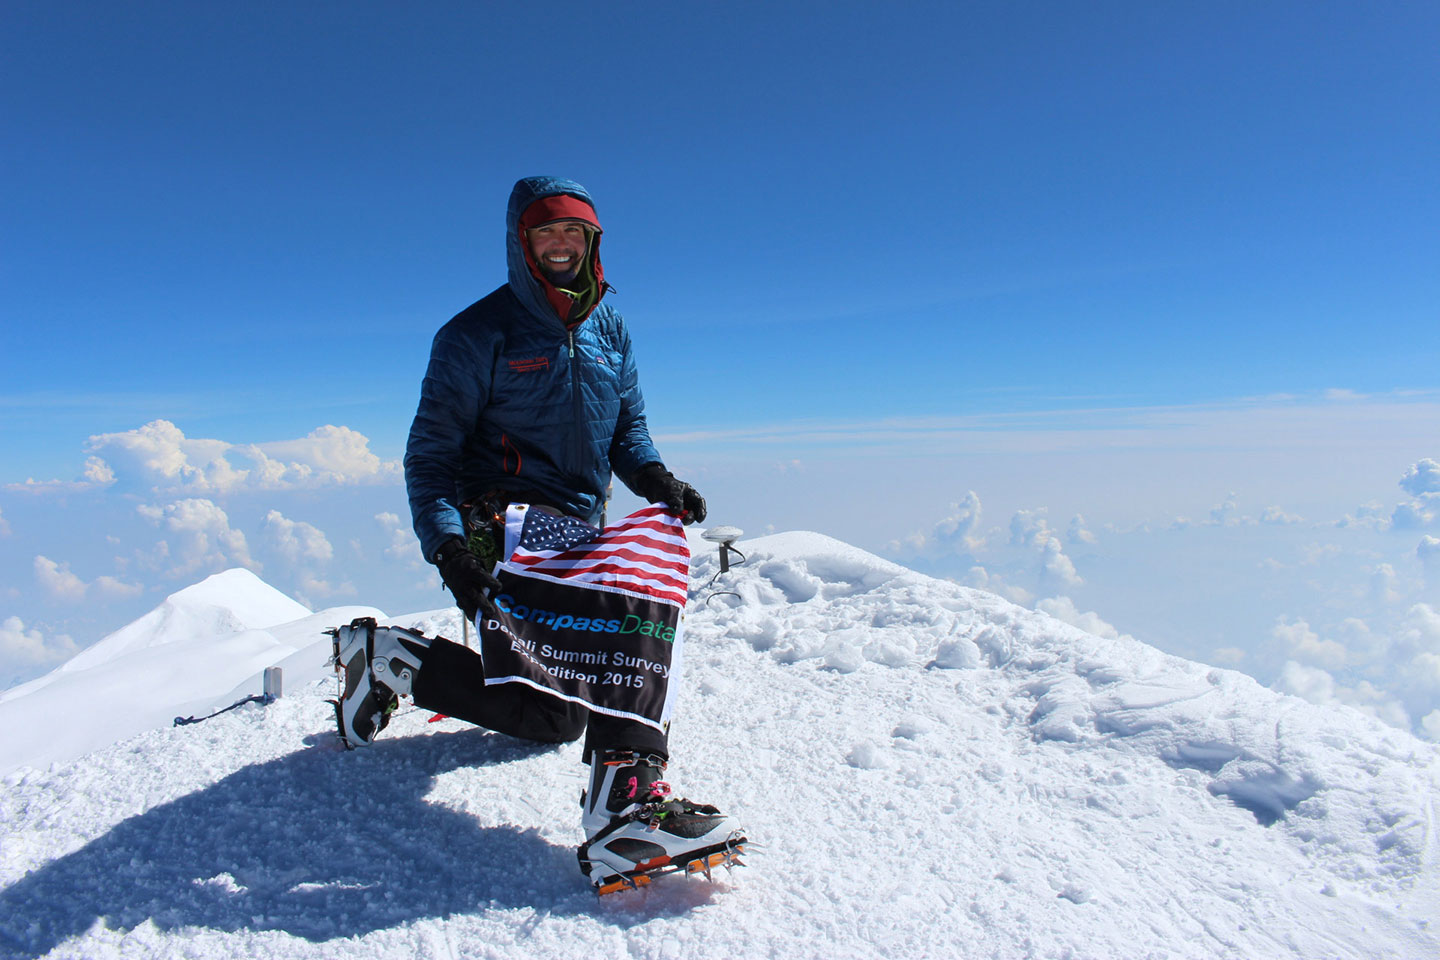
column 1122, row 260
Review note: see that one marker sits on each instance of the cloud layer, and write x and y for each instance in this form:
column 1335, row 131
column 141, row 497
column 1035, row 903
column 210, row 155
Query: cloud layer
column 1352, row 600
column 159, row 457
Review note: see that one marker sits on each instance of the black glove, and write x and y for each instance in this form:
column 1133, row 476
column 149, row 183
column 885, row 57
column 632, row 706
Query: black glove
column 658, row 485
column 466, row 576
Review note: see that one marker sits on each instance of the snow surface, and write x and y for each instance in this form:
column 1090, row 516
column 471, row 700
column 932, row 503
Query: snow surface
column 928, row 771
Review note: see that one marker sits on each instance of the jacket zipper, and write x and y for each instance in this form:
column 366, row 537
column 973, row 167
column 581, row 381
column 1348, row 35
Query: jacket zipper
column 577, row 452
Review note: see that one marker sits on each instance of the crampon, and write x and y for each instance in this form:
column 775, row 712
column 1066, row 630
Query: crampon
column 703, row 862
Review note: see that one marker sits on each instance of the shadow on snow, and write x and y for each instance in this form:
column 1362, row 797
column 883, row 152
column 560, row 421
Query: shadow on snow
column 317, row 844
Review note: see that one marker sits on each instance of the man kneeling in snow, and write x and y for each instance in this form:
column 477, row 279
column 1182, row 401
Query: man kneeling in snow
column 532, row 397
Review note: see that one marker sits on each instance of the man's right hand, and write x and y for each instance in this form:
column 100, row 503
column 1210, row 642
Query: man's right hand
column 466, row 576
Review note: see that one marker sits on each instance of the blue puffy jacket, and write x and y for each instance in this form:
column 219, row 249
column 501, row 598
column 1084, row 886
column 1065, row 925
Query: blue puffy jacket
column 516, row 400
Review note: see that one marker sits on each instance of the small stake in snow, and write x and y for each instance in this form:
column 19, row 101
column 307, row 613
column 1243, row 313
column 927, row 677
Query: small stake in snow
column 270, row 683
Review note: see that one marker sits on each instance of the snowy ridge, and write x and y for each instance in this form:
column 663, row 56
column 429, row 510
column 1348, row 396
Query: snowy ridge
column 930, row 771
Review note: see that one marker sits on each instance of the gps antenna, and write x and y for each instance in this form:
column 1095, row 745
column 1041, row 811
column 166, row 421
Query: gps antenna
column 726, row 537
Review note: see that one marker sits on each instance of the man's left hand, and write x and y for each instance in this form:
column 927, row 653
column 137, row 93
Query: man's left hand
column 466, row 577
column 658, row 485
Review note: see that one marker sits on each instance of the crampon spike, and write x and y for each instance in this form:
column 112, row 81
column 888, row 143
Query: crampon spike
column 726, row 855
column 624, row 883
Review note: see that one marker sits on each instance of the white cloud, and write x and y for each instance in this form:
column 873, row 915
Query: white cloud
column 1384, row 590
column 1313, row 554
column 29, row 648
column 1057, row 572
column 58, row 581
column 1277, row 516
column 1226, row 513
column 1319, row 687
column 1416, row 514
column 1422, row 478
column 1308, row 683
column 163, row 455
column 957, row 532
column 1304, row 645
column 1033, row 554
column 1362, row 645
column 1428, row 550
column 98, row 472
column 403, row 545
column 205, row 537
column 1430, row 726
column 959, row 528
column 1425, row 675
column 61, row 584
column 330, row 455
column 42, row 487
column 1031, row 528
column 310, row 589
column 982, row 579
column 1369, row 514
column 1078, row 532
column 111, row 587
column 1063, row 608
column 1391, row 675
column 1422, row 482
column 159, row 456
column 1341, row 394
column 1420, row 630
column 4, row 526
column 297, row 541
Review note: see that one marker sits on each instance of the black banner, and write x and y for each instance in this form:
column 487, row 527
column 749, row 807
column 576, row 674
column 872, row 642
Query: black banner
column 615, row 652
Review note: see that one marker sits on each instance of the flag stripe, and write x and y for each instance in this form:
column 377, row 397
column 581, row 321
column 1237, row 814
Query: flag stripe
column 645, row 553
column 599, row 564
column 569, row 559
column 595, row 572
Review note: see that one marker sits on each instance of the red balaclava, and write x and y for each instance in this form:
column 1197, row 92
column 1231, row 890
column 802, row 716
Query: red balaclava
column 589, row 279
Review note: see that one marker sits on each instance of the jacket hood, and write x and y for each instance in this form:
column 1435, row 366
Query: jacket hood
column 539, row 296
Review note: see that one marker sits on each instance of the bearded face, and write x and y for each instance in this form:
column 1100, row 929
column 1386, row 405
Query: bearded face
column 559, row 249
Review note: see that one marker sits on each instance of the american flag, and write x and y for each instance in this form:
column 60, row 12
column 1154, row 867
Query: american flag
column 646, row 553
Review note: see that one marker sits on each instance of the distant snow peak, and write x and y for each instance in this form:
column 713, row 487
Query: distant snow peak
column 229, row 602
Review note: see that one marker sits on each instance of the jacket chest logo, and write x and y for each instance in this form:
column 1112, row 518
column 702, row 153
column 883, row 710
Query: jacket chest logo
column 529, row 365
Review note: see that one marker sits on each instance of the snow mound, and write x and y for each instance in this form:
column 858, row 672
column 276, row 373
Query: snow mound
column 928, row 770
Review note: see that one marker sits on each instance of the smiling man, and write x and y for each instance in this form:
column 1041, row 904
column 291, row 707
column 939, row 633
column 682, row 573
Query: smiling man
column 532, row 397
column 560, row 249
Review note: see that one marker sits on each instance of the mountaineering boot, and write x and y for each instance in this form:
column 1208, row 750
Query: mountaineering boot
column 636, row 829
column 378, row 665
